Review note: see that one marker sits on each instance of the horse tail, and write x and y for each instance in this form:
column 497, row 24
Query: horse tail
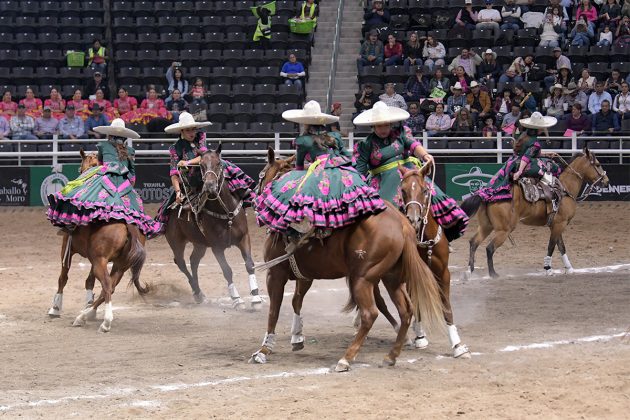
column 351, row 305
column 136, row 258
column 471, row 205
column 423, row 289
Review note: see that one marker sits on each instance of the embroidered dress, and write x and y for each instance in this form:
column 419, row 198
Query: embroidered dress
column 124, row 107
column 33, row 106
column 57, row 107
column 102, row 194
column 149, row 109
column 331, row 193
column 106, row 107
column 8, row 109
column 238, row 182
column 500, row 186
column 81, row 108
column 377, row 159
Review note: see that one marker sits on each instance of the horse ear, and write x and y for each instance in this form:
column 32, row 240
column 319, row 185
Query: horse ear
column 291, row 159
column 402, row 170
column 587, row 152
column 82, row 153
column 271, row 155
column 218, row 151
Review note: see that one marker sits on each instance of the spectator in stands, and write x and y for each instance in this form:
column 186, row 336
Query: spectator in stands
column 489, row 70
column 503, row 104
column 32, row 104
column 613, row 83
column 176, row 105
column 597, row 97
column 582, row 34
column 366, row 93
column 561, row 61
column 463, row 124
column 575, row 96
column 392, row 51
column 511, row 15
column 376, row 17
column 22, row 125
column 438, row 123
column 97, row 57
column 371, row 53
column 467, row 17
column 95, row 84
column 489, row 18
column 586, row 83
column 335, row 110
column 489, row 129
column 468, row 59
column 439, row 86
column 479, row 102
column 196, row 91
column 525, row 5
column 391, row 98
column 605, row 37
column 81, row 106
column 621, row 105
column 97, row 119
column 551, row 29
column 46, row 126
column 412, row 52
column 292, row 72
column 456, row 101
column 125, row 105
column 555, row 105
column 309, row 10
column 416, row 120
column 527, row 68
column 416, row 87
column 5, row 129
column 104, row 104
column 625, row 9
column 622, row 34
column 462, row 78
column 588, row 12
column 151, row 107
column 564, row 77
column 578, row 122
column 525, row 100
column 71, row 126
column 56, row 104
column 262, row 33
column 508, row 124
column 610, row 14
column 362, row 105
column 176, row 80
column 605, row 121
column 8, row 108
column 433, row 53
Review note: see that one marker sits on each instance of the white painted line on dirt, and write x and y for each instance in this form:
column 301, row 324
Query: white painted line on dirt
column 145, row 404
column 550, row 344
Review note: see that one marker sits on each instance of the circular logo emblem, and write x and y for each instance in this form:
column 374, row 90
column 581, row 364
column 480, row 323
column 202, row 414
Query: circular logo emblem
column 51, row 184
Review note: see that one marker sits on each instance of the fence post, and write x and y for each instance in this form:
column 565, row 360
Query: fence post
column 276, row 141
column 20, row 152
column 425, row 140
column 55, row 149
column 499, row 147
column 351, row 141
column 573, row 142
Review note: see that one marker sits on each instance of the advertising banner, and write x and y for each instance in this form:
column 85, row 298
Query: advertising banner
column 45, row 181
column 619, row 187
column 463, row 179
column 153, row 183
column 15, row 185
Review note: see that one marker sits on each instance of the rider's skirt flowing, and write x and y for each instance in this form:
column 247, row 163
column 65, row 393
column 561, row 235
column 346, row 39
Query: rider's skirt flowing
column 100, row 194
column 331, row 194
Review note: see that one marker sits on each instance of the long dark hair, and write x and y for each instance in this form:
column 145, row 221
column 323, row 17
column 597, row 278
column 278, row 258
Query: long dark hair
column 321, row 137
column 526, row 133
column 121, row 147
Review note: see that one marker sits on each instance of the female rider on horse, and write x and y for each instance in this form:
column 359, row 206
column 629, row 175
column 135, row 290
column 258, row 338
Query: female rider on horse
column 527, row 160
column 329, row 195
column 186, row 155
column 378, row 156
column 104, row 192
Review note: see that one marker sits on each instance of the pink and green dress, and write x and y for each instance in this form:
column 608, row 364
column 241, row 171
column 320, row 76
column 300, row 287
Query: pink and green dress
column 102, row 193
column 331, row 194
column 500, row 186
column 377, row 159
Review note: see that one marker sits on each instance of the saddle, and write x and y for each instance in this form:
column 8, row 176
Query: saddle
column 547, row 188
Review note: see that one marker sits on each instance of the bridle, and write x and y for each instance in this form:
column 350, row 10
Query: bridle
column 601, row 174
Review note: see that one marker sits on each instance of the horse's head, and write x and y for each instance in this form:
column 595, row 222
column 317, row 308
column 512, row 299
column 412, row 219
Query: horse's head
column 88, row 160
column 589, row 168
column 212, row 172
column 273, row 169
column 416, row 194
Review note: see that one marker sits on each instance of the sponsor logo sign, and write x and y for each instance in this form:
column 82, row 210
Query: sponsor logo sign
column 14, row 186
column 463, row 180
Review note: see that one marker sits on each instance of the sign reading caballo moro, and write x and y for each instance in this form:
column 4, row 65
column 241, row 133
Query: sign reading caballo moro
column 14, row 186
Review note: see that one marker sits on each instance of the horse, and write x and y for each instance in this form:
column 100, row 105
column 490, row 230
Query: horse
column 503, row 217
column 101, row 243
column 217, row 222
column 376, row 247
column 433, row 248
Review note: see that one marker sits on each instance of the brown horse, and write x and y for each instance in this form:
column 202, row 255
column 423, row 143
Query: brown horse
column 433, row 248
column 503, row 217
column 101, row 243
column 217, row 222
column 377, row 247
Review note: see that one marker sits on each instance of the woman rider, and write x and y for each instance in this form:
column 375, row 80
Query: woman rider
column 185, row 157
column 377, row 157
column 105, row 192
column 329, row 195
column 527, row 160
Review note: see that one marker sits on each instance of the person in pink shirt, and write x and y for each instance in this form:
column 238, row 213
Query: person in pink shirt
column 32, row 104
column 81, row 106
column 393, row 51
column 104, row 104
column 152, row 107
column 589, row 11
column 125, row 104
column 56, row 104
column 8, row 108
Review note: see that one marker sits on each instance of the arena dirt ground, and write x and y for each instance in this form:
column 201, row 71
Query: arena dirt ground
column 543, row 347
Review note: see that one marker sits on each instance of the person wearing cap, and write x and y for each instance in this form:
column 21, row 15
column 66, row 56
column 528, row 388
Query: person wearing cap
column 456, row 101
column 378, row 156
column 371, row 52
column 184, row 169
column 527, row 160
column 466, row 17
column 71, row 126
column 22, row 125
column 329, row 195
column 96, row 119
column 511, row 15
column 574, row 96
column 96, row 83
column 103, row 103
column 561, row 61
column 468, row 59
column 479, row 102
column 598, row 96
column 416, row 87
column 555, row 104
column 46, row 126
column 376, row 17
column 489, row 70
column 106, row 192
column 489, row 18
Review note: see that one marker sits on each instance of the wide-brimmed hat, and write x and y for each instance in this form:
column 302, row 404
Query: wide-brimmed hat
column 311, row 114
column 380, row 114
column 118, row 129
column 537, row 120
column 571, row 87
column 556, row 86
column 457, row 86
column 474, row 84
column 186, row 120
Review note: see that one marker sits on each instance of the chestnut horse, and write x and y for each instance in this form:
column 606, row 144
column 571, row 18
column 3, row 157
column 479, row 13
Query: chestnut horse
column 433, row 248
column 376, row 247
column 101, row 243
column 503, row 216
column 217, row 222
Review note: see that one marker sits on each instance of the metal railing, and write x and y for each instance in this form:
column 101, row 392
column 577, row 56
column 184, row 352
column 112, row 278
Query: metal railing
column 335, row 52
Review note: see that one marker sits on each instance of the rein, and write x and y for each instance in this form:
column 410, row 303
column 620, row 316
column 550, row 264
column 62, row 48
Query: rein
column 590, row 188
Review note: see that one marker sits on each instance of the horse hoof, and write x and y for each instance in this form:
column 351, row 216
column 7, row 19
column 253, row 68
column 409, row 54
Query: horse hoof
column 297, row 346
column 494, row 275
column 466, row 275
column 200, row 298
column 258, row 358
column 256, row 303
column 461, row 352
column 342, row 366
column 569, row 271
column 104, row 328
column 549, row 272
column 238, row 304
column 54, row 313
column 421, row 343
column 78, row 322
column 91, row 316
column 387, row 362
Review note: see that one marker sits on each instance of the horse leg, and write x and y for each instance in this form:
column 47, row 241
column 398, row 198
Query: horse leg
column 565, row 258
column 553, row 241
column 459, row 349
column 363, row 293
column 237, row 302
column 246, row 252
column 484, row 229
column 277, row 278
column 494, row 244
column 297, row 338
column 178, row 245
column 195, row 258
column 382, row 308
column 99, row 269
column 89, row 289
column 398, row 294
column 57, row 303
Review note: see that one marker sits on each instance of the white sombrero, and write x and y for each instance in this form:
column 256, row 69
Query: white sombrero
column 538, row 121
column 118, row 129
column 380, row 114
column 186, row 120
column 311, row 114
